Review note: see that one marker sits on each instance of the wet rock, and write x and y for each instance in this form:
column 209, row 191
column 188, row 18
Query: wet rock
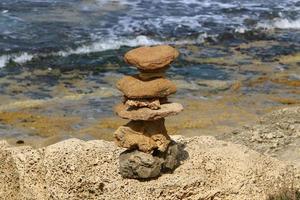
column 145, row 136
column 215, row 84
column 133, row 87
column 151, row 58
column 146, row 114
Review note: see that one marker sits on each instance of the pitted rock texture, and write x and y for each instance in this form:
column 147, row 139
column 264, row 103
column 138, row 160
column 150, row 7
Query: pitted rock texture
column 146, row 114
column 151, row 58
column 75, row 169
column 153, row 104
column 133, row 87
column 145, row 136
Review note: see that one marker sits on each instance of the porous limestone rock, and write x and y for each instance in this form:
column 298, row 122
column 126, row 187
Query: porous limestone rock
column 133, row 87
column 146, row 114
column 145, row 136
column 151, row 58
column 75, row 169
column 153, row 104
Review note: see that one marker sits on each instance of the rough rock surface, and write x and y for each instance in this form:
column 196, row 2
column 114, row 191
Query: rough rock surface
column 133, row 87
column 153, row 104
column 139, row 165
column 75, row 169
column 146, row 114
column 151, row 58
column 145, row 136
column 277, row 134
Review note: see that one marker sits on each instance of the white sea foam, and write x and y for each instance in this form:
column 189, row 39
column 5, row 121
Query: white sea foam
column 98, row 46
column 287, row 24
column 109, row 44
column 102, row 45
column 281, row 24
column 18, row 58
column 3, row 60
column 23, row 58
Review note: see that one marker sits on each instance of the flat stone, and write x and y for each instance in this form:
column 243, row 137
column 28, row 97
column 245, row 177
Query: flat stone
column 151, row 58
column 153, row 104
column 133, row 87
column 145, row 136
column 139, row 165
column 145, row 114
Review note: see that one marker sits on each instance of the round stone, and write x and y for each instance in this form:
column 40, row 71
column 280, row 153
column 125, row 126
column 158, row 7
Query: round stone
column 151, row 58
column 133, row 87
column 145, row 114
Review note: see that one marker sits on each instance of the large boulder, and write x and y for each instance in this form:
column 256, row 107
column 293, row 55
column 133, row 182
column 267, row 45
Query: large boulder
column 75, row 169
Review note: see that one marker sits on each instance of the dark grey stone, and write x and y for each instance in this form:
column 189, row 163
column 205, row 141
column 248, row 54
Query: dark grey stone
column 171, row 157
column 139, row 165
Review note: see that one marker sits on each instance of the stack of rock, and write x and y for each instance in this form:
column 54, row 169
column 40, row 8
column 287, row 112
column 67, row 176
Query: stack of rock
column 150, row 149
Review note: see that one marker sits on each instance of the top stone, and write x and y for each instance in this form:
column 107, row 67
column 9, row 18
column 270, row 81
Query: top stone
column 151, row 58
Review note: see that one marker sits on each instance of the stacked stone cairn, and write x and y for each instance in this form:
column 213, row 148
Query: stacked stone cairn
column 150, row 150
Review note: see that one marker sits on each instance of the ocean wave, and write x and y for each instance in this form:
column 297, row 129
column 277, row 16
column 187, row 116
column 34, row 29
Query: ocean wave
column 17, row 58
column 110, row 44
column 99, row 46
column 281, row 24
column 287, row 24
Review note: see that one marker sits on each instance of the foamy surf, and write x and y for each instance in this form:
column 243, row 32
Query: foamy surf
column 17, row 58
column 99, row 46
column 110, row 44
column 281, row 24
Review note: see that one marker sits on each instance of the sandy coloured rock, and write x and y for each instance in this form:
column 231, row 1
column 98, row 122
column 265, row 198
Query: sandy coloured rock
column 76, row 169
column 153, row 104
column 151, row 58
column 133, row 87
column 167, row 109
column 145, row 136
